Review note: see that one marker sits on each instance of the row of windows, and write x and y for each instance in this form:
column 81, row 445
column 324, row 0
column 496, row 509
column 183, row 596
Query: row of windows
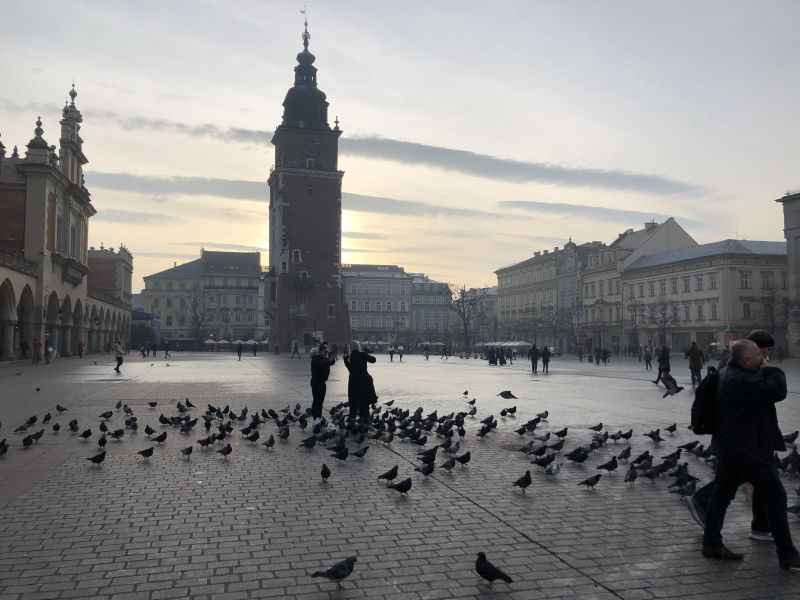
column 378, row 323
column 698, row 283
column 439, row 299
column 601, row 288
column 210, row 281
column 379, row 291
column 366, row 306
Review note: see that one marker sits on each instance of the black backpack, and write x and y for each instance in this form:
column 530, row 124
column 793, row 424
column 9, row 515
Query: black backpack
column 704, row 407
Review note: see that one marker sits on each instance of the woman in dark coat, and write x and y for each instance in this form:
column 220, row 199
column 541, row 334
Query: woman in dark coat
column 360, row 387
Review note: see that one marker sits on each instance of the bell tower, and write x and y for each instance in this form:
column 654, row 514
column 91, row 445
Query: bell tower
column 305, row 217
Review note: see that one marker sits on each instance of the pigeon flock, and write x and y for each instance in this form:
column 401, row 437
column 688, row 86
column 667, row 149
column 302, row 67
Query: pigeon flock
column 440, row 440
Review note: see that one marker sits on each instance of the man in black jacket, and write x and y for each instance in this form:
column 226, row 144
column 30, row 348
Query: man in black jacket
column 320, row 370
column 747, row 438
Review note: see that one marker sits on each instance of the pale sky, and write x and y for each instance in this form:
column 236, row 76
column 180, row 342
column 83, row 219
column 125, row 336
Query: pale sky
column 474, row 133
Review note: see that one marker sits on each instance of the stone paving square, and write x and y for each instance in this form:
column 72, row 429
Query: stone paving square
column 257, row 524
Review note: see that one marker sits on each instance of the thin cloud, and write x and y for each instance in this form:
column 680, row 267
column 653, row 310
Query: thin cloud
column 132, row 217
column 611, row 215
column 224, row 246
column 363, row 235
column 439, row 157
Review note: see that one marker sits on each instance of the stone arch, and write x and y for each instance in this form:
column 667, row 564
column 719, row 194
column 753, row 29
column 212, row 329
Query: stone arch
column 26, row 320
column 52, row 323
column 8, row 320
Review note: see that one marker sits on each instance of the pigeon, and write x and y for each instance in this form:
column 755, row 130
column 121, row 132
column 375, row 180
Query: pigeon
column 689, row 445
column 270, row 442
column 654, row 435
column 543, row 415
column 187, row 452
column 507, row 395
column 598, row 427
column 284, row 433
column 471, row 402
column 117, row 434
column 641, row 458
column 631, row 475
column 60, row 408
column 225, row 451
column 103, row 427
column 159, row 439
column 448, row 465
column 556, row 446
column 466, row 393
column 106, row 415
column 672, row 428
column 361, row 452
column 56, row 427
column 687, row 489
column 27, row 441
column 85, row 435
column 118, row 405
column 147, row 452
column 253, row 437
column 308, row 442
column 389, row 403
column 609, row 466
column 389, row 475
column 403, row 486
column 46, row 419
column 149, row 430
column 591, row 481
column 578, row 455
column 425, row 469
column 338, row 572
column 205, row 442
column 552, row 469
column 544, row 461
column 21, row 428
column 464, row 458
column 97, row 458
column 561, row 432
column 524, row 481
column 325, row 472
column 625, row 454
column 152, row 404
column 341, row 453
column 488, row 571
column 102, row 441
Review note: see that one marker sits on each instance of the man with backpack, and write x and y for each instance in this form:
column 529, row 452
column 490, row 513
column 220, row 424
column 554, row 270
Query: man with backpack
column 746, row 437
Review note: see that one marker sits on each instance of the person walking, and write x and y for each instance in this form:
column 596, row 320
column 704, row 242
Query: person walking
column 533, row 355
column 698, row 503
column 321, row 363
column 37, row 351
column 400, row 353
column 166, row 349
column 391, row 354
column 546, row 360
column 696, row 362
column 647, row 355
column 295, row 350
column 663, row 363
column 360, row 387
column 80, row 348
column 118, row 353
column 747, row 436
column 239, row 350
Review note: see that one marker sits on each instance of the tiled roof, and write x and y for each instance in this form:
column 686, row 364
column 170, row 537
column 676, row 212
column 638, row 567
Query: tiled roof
column 186, row 270
column 742, row 247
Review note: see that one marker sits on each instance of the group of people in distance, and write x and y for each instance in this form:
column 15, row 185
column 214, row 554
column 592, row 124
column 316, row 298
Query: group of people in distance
column 745, row 438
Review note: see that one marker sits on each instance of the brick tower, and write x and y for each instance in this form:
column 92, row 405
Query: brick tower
column 305, row 217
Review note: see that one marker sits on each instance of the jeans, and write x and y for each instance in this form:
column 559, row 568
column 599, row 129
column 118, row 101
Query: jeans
column 119, row 363
column 546, row 366
column 535, row 366
column 697, row 375
column 318, row 389
column 760, row 522
column 766, row 482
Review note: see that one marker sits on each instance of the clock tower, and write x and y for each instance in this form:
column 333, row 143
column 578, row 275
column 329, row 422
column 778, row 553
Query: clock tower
column 305, row 217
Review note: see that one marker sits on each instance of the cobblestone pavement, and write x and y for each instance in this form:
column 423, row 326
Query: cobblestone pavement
column 255, row 525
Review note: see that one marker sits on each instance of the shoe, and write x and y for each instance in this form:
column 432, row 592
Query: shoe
column 760, row 536
column 723, row 553
column 790, row 564
column 697, row 512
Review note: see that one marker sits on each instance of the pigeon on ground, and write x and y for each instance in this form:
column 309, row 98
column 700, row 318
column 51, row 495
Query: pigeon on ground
column 471, row 402
column 609, row 466
column 107, row 415
column 689, row 445
column 338, row 572
column 46, row 419
column 225, row 451
column 591, row 481
column 86, row 434
column 60, row 408
column 488, row 571
column 598, row 427
column 448, row 465
column 325, row 472
column 543, row 415
column 253, row 437
column 102, row 441
column 103, row 427
column 464, row 458
column 389, row 403
column 147, row 452
column 524, row 481
column 56, row 427
column 159, row 439
column 187, row 452
column 544, row 461
column 672, row 428
column 27, row 441
column 117, row 434
column 631, row 475
column 389, row 475
column 561, row 432
column 341, row 453
column 270, row 442
column 152, row 404
column 97, row 458
column 425, row 469
column 507, row 395
column 654, row 435
column 149, row 430
column 578, row 455
column 361, row 452
column 403, row 486
column 641, row 458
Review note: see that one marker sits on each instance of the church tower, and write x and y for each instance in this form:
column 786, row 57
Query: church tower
column 305, row 217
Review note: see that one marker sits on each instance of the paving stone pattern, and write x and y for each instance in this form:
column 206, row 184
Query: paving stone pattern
column 257, row 524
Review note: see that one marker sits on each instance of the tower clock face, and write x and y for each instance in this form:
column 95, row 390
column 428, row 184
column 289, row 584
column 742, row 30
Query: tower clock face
column 312, row 147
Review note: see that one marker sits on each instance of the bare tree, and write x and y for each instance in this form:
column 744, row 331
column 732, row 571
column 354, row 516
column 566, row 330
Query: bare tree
column 197, row 317
column 663, row 316
column 467, row 308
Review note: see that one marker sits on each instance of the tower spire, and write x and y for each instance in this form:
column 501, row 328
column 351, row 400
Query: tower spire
column 306, row 36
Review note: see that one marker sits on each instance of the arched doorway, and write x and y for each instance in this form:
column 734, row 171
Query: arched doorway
column 8, row 320
column 52, row 325
column 25, row 322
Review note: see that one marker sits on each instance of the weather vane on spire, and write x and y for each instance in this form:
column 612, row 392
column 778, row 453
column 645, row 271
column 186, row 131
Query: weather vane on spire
column 306, row 35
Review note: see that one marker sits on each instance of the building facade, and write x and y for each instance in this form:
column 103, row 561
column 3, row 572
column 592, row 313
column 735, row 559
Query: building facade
column 485, row 326
column 217, row 296
column 379, row 301
column 305, row 218
column 791, row 230
column 431, row 316
column 708, row 293
column 48, row 293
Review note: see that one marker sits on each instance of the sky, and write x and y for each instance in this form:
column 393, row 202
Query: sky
column 475, row 133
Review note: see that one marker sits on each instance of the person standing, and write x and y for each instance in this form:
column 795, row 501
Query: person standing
column 118, row 353
column 320, row 370
column 295, row 350
column 80, row 348
column 533, row 355
column 360, row 387
column 239, row 350
column 37, row 351
column 648, row 358
column 696, row 361
column 663, row 363
column 400, row 353
column 747, row 437
column 391, row 354
column 166, row 349
column 546, row 359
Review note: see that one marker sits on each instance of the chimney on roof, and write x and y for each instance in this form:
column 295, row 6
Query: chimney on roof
column 650, row 225
column 537, row 253
column 555, row 249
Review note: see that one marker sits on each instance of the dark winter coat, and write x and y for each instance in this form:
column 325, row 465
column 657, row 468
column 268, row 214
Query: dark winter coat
column 696, row 358
column 320, row 368
column 360, row 387
column 747, row 429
